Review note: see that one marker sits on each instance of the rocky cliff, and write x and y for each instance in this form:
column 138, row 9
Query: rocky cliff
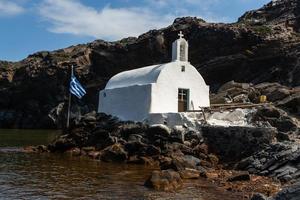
column 263, row 46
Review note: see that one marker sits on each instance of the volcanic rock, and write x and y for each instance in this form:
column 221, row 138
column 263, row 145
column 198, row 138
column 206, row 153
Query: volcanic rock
column 114, row 153
column 235, row 143
column 165, row 180
column 280, row 160
column 259, row 197
column 291, row 193
column 239, row 177
column 189, row 173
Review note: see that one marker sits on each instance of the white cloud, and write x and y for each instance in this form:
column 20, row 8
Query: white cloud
column 9, row 8
column 113, row 23
column 71, row 16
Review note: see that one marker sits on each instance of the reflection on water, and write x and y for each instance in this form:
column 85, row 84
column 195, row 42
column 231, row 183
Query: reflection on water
column 51, row 176
column 19, row 138
column 47, row 176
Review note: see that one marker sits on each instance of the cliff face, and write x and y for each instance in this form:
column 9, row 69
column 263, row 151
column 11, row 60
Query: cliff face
column 263, row 46
column 283, row 13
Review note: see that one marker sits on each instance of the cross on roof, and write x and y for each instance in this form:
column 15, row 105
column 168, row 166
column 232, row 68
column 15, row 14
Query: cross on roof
column 180, row 35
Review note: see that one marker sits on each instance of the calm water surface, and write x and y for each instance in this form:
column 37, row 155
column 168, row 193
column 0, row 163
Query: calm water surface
column 51, row 176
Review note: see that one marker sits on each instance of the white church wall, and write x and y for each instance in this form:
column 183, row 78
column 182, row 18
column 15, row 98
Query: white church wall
column 127, row 103
column 165, row 92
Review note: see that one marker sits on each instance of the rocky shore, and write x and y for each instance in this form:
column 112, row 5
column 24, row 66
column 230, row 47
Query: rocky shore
column 260, row 156
column 238, row 159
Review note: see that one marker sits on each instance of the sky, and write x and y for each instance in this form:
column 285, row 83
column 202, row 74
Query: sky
column 29, row 26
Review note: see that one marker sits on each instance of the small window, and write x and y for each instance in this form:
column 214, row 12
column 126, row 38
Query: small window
column 104, row 94
column 182, row 51
column 183, row 68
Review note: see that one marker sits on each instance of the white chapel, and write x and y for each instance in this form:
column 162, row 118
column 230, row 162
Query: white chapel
column 164, row 88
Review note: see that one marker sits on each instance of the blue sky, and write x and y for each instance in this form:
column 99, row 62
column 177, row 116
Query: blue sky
column 28, row 26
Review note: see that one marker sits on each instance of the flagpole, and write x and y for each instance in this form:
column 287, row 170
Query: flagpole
column 69, row 103
column 69, row 107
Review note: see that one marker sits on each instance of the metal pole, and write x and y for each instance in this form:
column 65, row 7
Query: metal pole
column 69, row 102
column 69, row 108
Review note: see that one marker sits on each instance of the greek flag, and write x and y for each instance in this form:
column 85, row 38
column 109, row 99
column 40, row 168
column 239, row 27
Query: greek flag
column 75, row 87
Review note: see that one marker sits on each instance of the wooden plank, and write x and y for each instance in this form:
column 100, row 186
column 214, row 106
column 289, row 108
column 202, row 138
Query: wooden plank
column 215, row 107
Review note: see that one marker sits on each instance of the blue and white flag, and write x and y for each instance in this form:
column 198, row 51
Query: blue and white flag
column 75, row 87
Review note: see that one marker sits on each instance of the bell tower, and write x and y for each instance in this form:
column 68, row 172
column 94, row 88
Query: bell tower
column 180, row 49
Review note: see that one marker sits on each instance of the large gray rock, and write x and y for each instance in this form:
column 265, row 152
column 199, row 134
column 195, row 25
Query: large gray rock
column 280, row 160
column 158, row 131
column 235, row 143
column 180, row 162
column 242, row 176
column 259, row 196
column 289, row 193
column 291, row 104
column 277, row 118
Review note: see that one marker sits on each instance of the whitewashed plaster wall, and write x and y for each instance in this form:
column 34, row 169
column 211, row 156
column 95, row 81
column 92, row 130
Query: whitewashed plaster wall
column 127, row 103
column 165, row 91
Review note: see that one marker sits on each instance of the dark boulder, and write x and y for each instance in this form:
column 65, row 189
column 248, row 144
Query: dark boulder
column 148, row 161
column 165, row 180
column 280, row 160
column 62, row 143
column 94, row 154
column 291, row 192
column 42, row 148
column 129, row 129
column 114, row 153
column 158, row 132
column 170, row 148
column 152, row 150
column 281, row 136
column 135, row 138
column 277, row 118
column 89, row 117
column 195, row 135
column 273, row 91
column 74, row 152
column 189, row 173
column 99, row 138
column 243, row 176
column 235, row 143
column 259, row 196
column 200, row 149
column 108, row 122
column 179, row 163
column 135, row 148
column 141, row 149
column 291, row 104
column 177, row 134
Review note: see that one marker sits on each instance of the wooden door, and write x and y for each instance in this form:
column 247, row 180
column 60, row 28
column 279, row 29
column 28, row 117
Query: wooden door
column 183, row 96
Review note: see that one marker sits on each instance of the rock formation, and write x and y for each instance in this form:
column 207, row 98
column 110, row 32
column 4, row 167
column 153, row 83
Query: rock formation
column 178, row 154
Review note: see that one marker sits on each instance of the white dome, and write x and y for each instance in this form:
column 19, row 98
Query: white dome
column 141, row 76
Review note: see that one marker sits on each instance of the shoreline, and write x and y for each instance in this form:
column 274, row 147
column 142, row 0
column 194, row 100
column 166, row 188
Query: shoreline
column 180, row 156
